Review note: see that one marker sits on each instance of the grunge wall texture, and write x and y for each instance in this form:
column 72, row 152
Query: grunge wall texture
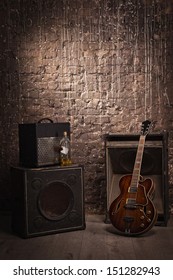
column 103, row 65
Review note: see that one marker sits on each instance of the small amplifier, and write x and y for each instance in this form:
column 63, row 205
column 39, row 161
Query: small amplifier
column 39, row 143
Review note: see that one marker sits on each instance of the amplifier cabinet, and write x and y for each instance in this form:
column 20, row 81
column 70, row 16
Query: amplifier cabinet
column 120, row 158
column 39, row 143
column 47, row 200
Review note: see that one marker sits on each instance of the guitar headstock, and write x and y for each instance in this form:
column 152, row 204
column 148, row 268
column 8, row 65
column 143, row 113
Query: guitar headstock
column 145, row 127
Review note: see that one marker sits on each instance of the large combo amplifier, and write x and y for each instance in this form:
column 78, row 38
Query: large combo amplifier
column 39, row 142
column 47, row 200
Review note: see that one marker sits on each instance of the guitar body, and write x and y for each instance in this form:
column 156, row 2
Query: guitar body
column 133, row 212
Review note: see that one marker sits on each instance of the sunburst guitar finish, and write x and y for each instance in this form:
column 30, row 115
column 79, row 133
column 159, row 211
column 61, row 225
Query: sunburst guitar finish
column 133, row 211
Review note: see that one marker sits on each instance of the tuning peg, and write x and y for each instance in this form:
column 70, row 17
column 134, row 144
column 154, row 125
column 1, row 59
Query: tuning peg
column 153, row 124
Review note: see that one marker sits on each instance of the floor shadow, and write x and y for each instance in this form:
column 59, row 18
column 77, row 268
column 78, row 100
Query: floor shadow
column 113, row 230
column 5, row 222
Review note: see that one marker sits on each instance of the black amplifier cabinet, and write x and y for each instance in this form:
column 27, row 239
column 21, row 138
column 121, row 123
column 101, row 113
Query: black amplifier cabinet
column 47, row 200
column 121, row 151
column 39, row 143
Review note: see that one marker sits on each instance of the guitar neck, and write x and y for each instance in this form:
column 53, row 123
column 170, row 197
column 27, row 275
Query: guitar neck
column 138, row 161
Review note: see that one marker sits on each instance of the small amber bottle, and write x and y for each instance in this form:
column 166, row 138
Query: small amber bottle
column 65, row 152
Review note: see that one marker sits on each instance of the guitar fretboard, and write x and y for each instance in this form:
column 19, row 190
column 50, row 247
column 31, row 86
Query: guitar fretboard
column 137, row 165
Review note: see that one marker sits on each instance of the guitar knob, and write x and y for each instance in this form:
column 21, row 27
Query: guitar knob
column 148, row 212
column 142, row 217
column 142, row 225
column 148, row 220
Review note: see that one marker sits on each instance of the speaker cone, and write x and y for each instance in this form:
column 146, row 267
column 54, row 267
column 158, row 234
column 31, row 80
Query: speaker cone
column 127, row 160
column 56, row 200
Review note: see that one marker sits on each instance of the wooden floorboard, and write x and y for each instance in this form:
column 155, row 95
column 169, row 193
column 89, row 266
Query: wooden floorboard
column 118, row 247
column 98, row 241
column 93, row 245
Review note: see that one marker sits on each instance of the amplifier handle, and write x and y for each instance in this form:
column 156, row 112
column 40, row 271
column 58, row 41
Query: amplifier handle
column 45, row 120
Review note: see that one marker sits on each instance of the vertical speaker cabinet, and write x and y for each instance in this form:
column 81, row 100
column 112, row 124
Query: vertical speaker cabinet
column 47, row 200
column 120, row 158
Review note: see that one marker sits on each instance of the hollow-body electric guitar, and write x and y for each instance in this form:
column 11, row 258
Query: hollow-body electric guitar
column 133, row 212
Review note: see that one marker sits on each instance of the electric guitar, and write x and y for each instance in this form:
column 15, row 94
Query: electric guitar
column 133, row 212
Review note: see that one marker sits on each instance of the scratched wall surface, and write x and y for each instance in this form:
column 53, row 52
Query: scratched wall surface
column 103, row 65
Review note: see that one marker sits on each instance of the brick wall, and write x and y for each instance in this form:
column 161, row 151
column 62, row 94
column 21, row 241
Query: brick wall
column 105, row 66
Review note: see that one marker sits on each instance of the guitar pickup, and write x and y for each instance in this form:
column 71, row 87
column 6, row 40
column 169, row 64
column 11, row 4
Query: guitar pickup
column 130, row 206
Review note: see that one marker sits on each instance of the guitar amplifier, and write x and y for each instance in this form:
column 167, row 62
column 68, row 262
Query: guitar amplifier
column 39, row 143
